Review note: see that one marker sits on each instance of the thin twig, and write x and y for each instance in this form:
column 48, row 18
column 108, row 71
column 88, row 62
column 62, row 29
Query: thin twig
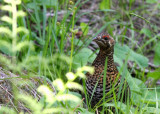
column 78, row 105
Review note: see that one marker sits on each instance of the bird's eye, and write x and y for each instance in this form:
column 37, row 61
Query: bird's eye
column 106, row 37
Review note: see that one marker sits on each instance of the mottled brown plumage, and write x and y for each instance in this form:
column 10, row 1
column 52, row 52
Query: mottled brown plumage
column 106, row 45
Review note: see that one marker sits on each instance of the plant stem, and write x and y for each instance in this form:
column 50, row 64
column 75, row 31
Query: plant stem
column 72, row 39
column 14, row 27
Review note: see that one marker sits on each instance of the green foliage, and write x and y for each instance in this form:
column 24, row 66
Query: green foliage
column 147, row 32
column 151, row 1
column 55, row 101
column 105, row 4
column 121, row 106
column 7, row 110
column 157, row 54
column 83, row 56
column 13, row 47
column 38, row 43
column 140, row 17
column 85, row 28
column 10, row 43
column 73, row 31
column 121, row 52
column 144, row 99
column 155, row 74
column 32, row 51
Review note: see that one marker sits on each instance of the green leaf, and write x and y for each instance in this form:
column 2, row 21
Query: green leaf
column 7, row 8
column 72, row 103
column 6, row 30
column 7, row 110
column 134, row 85
column 82, row 57
column 92, row 57
column 156, row 59
column 74, row 85
column 151, row 1
column 151, row 110
column 155, row 74
column 141, row 60
column 121, row 106
column 85, row 28
column 70, row 76
column 7, row 19
column 78, row 42
column 31, row 103
column 22, row 29
column 50, row 2
column 68, row 97
column 152, row 99
column 22, row 45
column 158, row 6
column 44, row 90
column 32, row 6
column 59, row 84
column 83, row 110
column 138, row 89
column 6, row 47
column 122, row 51
column 105, row 4
column 146, row 31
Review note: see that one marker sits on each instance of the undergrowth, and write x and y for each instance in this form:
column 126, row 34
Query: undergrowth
column 48, row 39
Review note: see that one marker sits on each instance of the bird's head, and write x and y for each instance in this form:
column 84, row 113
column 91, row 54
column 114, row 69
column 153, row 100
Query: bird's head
column 104, row 41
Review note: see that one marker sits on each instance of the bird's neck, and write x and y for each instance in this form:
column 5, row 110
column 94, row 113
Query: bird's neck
column 104, row 55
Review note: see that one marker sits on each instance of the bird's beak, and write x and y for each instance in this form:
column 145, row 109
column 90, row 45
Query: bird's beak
column 95, row 39
column 112, row 41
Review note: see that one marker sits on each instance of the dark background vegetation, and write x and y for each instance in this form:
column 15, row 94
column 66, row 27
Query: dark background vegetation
column 53, row 37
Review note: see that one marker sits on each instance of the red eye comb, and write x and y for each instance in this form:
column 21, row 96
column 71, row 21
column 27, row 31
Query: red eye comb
column 105, row 36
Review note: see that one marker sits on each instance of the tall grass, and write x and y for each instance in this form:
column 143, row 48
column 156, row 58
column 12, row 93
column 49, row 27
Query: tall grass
column 37, row 42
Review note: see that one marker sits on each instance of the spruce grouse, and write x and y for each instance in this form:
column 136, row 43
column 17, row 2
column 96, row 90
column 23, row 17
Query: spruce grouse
column 94, row 83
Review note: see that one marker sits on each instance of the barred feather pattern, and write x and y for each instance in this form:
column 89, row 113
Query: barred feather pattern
column 112, row 78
